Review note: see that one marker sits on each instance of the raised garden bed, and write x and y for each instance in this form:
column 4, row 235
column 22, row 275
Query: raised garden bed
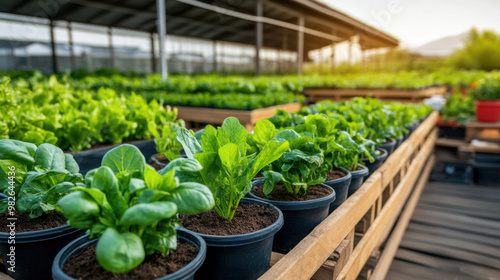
column 341, row 245
column 247, row 118
column 317, row 94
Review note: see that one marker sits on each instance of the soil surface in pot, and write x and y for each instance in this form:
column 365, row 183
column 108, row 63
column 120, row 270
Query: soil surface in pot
column 23, row 224
column 248, row 218
column 161, row 158
column 388, row 141
column 280, row 193
column 85, row 265
column 156, row 166
column 334, row 175
column 357, row 168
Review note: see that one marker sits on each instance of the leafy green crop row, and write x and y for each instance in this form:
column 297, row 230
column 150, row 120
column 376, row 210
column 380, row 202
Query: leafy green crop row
column 54, row 112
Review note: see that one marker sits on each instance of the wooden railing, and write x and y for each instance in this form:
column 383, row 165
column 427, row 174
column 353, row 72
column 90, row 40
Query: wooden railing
column 347, row 243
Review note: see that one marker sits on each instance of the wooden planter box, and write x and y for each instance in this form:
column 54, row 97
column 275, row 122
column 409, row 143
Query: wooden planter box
column 247, row 118
column 317, row 94
column 347, row 243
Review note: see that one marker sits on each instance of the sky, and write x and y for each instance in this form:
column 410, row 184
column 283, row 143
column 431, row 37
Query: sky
column 416, row 22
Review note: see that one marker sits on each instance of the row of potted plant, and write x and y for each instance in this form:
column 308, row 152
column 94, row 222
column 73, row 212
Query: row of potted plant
column 135, row 210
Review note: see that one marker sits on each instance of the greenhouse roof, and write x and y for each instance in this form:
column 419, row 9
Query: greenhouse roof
column 222, row 20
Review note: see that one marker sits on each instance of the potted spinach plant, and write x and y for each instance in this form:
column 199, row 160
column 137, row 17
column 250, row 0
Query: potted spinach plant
column 33, row 179
column 133, row 209
column 239, row 231
column 487, row 96
column 293, row 183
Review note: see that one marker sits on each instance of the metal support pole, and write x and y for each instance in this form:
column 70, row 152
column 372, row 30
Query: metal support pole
column 350, row 52
column 71, row 48
column 214, row 56
column 300, row 44
column 258, row 36
column 153, row 58
column 53, row 48
column 162, row 31
column 110, row 46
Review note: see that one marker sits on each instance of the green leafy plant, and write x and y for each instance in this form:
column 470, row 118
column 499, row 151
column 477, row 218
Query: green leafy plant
column 36, row 177
column 227, row 169
column 165, row 136
column 488, row 88
column 458, row 108
column 300, row 167
column 132, row 207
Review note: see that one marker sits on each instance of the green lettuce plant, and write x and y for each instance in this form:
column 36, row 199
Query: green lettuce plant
column 35, row 177
column 132, row 207
column 300, row 167
column 227, row 169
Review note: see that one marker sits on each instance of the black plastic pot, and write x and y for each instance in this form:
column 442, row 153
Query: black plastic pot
column 399, row 141
column 185, row 273
column 487, row 173
column 358, row 177
column 486, row 158
column 34, row 251
column 378, row 161
column 389, row 147
column 156, row 161
column 453, row 132
column 341, row 187
column 300, row 217
column 90, row 159
column 243, row 256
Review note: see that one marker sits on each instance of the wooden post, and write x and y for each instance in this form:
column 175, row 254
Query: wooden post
column 71, row 47
column 300, row 45
column 53, row 48
column 258, row 37
column 110, row 46
column 153, row 52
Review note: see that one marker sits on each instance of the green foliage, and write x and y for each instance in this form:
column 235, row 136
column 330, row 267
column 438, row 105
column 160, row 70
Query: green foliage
column 481, row 51
column 165, row 135
column 488, row 88
column 458, row 108
column 132, row 207
column 36, row 177
column 300, row 167
column 227, row 167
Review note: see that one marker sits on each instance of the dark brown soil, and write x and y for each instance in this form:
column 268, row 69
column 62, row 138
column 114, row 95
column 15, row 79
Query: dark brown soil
column 335, row 174
column 85, row 265
column 280, row 193
column 23, row 224
column 161, row 158
column 357, row 168
column 156, row 166
column 248, row 218
column 388, row 141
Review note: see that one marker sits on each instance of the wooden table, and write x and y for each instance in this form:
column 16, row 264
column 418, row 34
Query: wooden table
column 247, row 118
column 476, row 130
column 348, row 243
column 317, row 94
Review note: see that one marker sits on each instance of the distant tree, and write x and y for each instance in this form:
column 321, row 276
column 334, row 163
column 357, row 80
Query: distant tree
column 481, row 51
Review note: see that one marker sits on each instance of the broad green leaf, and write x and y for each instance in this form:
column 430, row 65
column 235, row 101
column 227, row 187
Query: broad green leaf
column 230, row 158
column 146, row 214
column 181, row 164
column 48, row 157
column 18, row 151
column 232, row 131
column 189, row 142
column 79, row 208
column 192, row 198
column 105, row 181
column 119, row 252
column 125, row 157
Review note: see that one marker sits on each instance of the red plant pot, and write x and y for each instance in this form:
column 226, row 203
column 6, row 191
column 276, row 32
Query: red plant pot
column 488, row 111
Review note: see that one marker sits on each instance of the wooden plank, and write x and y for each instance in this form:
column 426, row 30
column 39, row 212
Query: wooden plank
column 458, row 254
column 482, row 124
column 332, row 266
column 395, row 162
column 477, row 149
column 394, row 240
column 217, row 116
column 5, row 277
column 451, row 143
column 464, row 245
column 454, row 234
column 426, row 272
column 469, row 211
column 457, row 201
column 390, row 211
column 395, row 275
column 449, row 265
column 308, row 256
column 483, row 224
column 376, row 93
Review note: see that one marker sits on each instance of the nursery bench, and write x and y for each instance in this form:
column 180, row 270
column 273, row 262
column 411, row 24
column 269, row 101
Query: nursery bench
column 361, row 237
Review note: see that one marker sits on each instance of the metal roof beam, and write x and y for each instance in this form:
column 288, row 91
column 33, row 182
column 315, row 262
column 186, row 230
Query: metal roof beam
column 260, row 19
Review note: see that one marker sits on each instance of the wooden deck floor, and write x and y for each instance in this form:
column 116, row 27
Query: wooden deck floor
column 454, row 234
